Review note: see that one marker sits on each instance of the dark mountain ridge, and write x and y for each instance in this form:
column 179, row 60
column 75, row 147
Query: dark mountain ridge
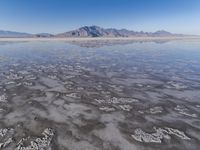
column 93, row 31
column 96, row 31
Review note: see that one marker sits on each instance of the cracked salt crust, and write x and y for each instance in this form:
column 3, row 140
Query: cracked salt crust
column 39, row 143
column 184, row 111
column 107, row 109
column 158, row 136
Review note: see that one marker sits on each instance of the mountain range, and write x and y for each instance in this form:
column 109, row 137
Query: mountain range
column 92, row 31
column 13, row 34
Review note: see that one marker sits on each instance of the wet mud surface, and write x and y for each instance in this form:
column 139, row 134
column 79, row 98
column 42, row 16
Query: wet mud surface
column 135, row 96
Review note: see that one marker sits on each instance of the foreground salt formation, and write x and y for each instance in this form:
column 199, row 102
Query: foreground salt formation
column 158, row 136
column 3, row 98
column 114, row 103
column 42, row 143
column 6, row 137
column 185, row 111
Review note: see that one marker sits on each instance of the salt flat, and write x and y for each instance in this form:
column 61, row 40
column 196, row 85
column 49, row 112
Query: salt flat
column 101, row 38
column 58, row 94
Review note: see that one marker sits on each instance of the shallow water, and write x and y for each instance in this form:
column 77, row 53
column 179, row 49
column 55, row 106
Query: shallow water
column 141, row 95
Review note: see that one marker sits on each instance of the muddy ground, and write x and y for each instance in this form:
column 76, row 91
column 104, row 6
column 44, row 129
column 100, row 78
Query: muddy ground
column 134, row 96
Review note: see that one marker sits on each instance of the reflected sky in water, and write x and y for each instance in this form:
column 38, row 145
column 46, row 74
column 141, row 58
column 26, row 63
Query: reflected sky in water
column 110, row 96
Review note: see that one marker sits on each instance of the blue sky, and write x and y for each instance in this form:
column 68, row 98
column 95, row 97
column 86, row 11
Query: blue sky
column 55, row 16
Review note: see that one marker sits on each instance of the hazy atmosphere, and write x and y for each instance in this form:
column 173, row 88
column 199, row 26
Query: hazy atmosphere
column 56, row 16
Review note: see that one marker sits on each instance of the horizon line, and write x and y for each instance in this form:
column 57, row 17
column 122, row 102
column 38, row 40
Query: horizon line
column 55, row 33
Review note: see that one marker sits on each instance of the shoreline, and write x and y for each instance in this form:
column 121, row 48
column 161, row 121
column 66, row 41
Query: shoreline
column 99, row 38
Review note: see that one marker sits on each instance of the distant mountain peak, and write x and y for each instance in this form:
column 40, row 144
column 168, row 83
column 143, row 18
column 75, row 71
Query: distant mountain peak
column 96, row 31
column 13, row 34
column 162, row 32
column 44, row 35
column 93, row 31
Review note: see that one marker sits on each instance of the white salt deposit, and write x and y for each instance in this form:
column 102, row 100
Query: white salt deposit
column 107, row 109
column 3, row 98
column 158, row 135
column 185, row 111
column 41, row 143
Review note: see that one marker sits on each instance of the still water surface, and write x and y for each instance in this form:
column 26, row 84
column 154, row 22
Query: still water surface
column 140, row 95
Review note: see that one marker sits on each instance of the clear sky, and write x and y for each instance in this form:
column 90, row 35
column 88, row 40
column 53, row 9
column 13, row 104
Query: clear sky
column 55, row 16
